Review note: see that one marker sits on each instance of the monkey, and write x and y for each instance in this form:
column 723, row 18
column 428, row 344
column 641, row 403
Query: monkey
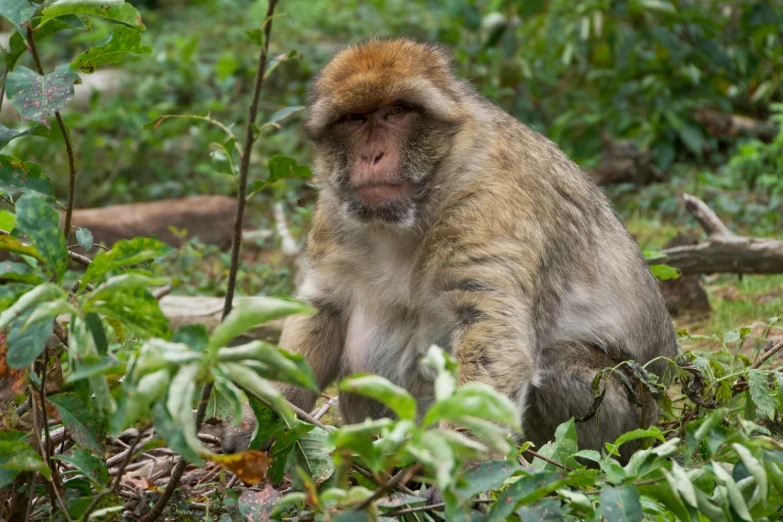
column 443, row 220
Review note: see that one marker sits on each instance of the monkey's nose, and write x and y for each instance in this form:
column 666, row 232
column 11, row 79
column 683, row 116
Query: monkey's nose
column 372, row 159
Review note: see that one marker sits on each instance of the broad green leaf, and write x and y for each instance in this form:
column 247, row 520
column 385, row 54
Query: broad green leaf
column 6, row 134
column 20, row 456
column 621, row 504
column 283, row 167
column 375, row 387
column 487, row 476
column 446, row 380
column 564, row 445
column 135, row 308
column 434, row 451
column 82, row 423
column 279, row 365
column 734, row 494
column 22, row 272
column 7, row 221
column 121, row 282
column 250, row 381
column 756, row 470
column 359, row 438
column 92, row 467
column 136, row 400
column 50, row 310
column 683, row 485
column 84, row 238
column 256, row 36
column 475, row 400
column 117, row 10
column 17, row 45
column 493, row 435
column 20, row 176
column 124, row 253
column 665, row 272
column 546, row 510
column 528, row 488
column 17, row 12
column 251, row 312
column 761, row 393
column 37, row 97
column 11, row 244
column 180, row 404
column 284, row 113
column 312, row 452
column 172, row 433
column 123, row 40
column 82, row 347
column 41, row 224
column 25, row 344
column 39, row 294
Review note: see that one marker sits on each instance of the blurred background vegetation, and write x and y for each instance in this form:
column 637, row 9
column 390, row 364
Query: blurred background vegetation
column 661, row 96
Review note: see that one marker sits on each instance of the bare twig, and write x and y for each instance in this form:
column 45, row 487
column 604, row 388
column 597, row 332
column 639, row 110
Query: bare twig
column 116, row 485
column 402, row 477
column 708, row 220
column 320, row 412
column 66, row 139
column 532, row 453
column 767, row 355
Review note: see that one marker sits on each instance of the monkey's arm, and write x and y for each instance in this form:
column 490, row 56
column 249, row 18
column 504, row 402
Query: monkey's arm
column 319, row 339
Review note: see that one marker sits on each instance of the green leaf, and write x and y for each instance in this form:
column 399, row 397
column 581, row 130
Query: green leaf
column 475, row 400
column 25, row 344
column 172, row 433
column 487, row 476
column 735, row 496
column 136, row 308
column 17, row 12
column 692, row 137
column 117, row 10
column 528, row 488
column 50, row 310
column 7, row 221
column 756, row 470
column 20, row 456
column 621, row 504
column 20, row 176
column 284, row 113
column 278, row 364
column 256, row 36
column 282, row 167
column 124, row 253
column 37, row 97
column 17, row 45
column 6, row 134
column 251, row 312
column 375, row 387
column 546, row 510
column 11, row 244
column 39, row 294
column 123, row 40
column 41, row 224
column 84, row 426
column 564, row 445
column 92, row 467
column 180, row 405
column 136, row 401
column 760, row 393
column 249, row 380
column 312, row 452
column 22, row 272
column 665, row 272
column 84, row 238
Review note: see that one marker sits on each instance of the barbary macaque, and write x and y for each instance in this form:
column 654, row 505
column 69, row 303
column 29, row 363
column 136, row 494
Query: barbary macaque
column 443, row 220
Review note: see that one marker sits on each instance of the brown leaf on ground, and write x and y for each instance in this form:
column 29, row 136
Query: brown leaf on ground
column 250, row 466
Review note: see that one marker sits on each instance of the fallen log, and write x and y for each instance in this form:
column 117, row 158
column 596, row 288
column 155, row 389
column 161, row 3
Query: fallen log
column 723, row 252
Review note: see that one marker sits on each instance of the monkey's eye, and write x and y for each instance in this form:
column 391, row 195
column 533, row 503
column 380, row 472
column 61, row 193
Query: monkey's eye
column 397, row 108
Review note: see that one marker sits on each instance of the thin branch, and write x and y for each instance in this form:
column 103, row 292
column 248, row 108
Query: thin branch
column 320, row 412
column 116, row 485
column 767, row 355
column 532, row 453
column 2, row 86
column 244, row 164
column 66, row 139
column 708, row 220
column 402, row 477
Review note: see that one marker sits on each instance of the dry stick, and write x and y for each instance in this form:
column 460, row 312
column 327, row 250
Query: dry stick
column 116, row 485
column 244, row 167
column 708, row 220
column 401, row 477
column 767, row 355
column 66, row 139
column 547, row 459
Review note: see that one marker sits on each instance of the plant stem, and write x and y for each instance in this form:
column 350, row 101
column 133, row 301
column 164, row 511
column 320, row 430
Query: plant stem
column 66, row 139
column 244, row 163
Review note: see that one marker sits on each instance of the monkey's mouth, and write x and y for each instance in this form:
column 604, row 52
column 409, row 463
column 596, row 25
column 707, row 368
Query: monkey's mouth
column 381, row 194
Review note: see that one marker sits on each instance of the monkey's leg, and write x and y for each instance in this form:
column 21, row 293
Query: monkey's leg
column 562, row 390
column 319, row 339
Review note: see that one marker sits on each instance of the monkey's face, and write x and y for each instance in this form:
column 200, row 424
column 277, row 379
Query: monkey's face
column 380, row 162
column 382, row 117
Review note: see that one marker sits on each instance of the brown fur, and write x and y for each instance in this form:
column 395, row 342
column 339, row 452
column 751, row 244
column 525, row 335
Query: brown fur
column 512, row 259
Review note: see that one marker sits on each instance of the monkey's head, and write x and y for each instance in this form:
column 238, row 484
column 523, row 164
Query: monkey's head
column 382, row 116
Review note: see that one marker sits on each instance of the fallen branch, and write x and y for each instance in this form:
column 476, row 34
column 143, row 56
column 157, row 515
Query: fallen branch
column 723, row 252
